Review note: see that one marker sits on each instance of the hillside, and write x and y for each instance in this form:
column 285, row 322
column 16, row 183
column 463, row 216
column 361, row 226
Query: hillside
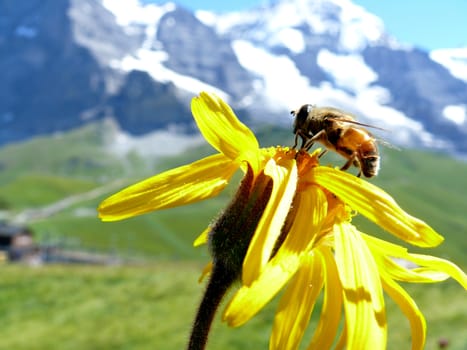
column 152, row 306
column 127, row 60
column 38, row 174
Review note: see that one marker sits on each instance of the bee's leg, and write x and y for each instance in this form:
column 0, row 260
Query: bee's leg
column 296, row 141
column 347, row 165
column 303, row 137
column 322, row 153
column 350, row 161
column 297, row 134
column 312, row 140
column 356, row 164
column 307, row 145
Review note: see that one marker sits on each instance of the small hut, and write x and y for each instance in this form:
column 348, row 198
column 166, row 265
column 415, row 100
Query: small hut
column 16, row 242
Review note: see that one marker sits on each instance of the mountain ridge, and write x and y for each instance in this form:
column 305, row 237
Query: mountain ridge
column 141, row 64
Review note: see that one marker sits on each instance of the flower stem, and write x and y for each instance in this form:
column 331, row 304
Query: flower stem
column 229, row 239
column 219, row 283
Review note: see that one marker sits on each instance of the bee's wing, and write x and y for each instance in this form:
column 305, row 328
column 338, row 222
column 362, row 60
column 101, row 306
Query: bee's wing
column 387, row 144
column 378, row 139
column 351, row 121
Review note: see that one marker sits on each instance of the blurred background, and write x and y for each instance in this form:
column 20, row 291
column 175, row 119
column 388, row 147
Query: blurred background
column 95, row 95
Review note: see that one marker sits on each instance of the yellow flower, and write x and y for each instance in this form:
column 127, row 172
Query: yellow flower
column 323, row 250
column 199, row 180
column 289, row 225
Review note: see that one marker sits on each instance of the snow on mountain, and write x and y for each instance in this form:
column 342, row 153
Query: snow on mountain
column 349, row 71
column 284, row 35
column 131, row 12
column 137, row 18
column 455, row 60
column 333, row 33
column 274, row 72
column 333, row 52
column 141, row 63
column 456, row 113
column 358, row 26
column 355, row 27
column 152, row 62
column 122, row 143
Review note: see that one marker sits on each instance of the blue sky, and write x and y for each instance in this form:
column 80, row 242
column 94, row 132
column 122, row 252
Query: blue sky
column 429, row 24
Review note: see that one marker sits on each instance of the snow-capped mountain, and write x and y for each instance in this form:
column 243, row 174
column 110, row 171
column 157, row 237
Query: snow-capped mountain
column 65, row 63
column 333, row 52
column 455, row 60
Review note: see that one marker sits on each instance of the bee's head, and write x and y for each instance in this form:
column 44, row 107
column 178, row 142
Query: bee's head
column 303, row 111
column 301, row 116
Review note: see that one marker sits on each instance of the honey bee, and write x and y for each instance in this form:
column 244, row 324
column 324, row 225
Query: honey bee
column 340, row 132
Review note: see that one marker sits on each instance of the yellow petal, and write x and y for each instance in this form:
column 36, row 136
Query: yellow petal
column 183, row 185
column 376, row 205
column 284, row 177
column 221, row 128
column 342, row 341
column 401, row 269
column 384, row 247
column 311, row 214
column 206, row 271
column 202, row 238
column 328, row 324
column 363, row 296
column 296, row 305
column 250, row 299
column 410, row 310
column 424, row 269
column 432, row 265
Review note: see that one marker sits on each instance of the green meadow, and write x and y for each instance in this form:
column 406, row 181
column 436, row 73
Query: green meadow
column 151, row 307
column 149, row 302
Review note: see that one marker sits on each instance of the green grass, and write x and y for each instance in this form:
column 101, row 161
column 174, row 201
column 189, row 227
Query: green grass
column 97, row 307
column 169, row 234
column 431, row 187
column 74, row 154
column 152, row 307
column 43, row 170
column 31, row 190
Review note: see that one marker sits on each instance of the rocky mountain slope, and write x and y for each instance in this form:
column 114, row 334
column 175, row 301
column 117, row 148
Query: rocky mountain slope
column 66, row 63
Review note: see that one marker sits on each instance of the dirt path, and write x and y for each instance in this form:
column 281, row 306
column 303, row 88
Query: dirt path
column 33, row 214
